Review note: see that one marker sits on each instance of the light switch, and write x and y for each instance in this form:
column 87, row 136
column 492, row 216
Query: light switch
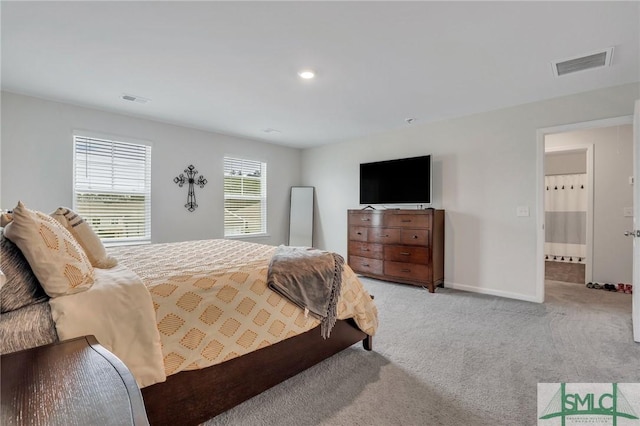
column 627, row 211
column 522, row 211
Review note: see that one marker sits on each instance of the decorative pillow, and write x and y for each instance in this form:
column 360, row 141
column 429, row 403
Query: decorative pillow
column 21, row 287
column 56, row 258
column 85, row 235
column 5, row 218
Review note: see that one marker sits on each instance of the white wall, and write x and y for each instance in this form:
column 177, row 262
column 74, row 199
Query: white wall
column 613, row 165
column 484, row 167
column 36, row 166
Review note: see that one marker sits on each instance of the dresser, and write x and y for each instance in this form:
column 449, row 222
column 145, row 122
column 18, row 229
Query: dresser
column 74, row 382
column 405, row 246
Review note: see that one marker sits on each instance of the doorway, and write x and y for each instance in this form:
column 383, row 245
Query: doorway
column 602, row 262
column 568, row 201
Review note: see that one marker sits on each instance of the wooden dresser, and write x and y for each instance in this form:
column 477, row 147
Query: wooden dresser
column 405, row 246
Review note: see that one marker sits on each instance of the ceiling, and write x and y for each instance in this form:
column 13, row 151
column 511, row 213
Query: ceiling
column 231, row 67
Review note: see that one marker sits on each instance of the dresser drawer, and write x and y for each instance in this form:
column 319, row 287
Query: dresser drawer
column 409, row 271
column 370, row 250
column 406, row 254
column 417, row 237
column 365, row 219
column 384, row 235
column 358, row 233
column 408, row 220
column 365, row 265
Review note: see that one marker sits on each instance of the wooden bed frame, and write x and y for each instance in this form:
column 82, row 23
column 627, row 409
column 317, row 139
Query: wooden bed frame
column 192, row 397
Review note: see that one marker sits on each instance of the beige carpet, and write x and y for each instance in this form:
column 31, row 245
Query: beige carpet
column 457, row 358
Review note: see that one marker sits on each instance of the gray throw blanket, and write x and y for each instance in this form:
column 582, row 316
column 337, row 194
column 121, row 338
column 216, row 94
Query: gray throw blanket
column 311, row 279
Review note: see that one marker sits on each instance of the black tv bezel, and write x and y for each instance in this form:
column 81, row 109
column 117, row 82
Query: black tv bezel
column 397, row 202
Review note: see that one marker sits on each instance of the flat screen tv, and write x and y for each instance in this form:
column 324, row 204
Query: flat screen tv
column 401, row 181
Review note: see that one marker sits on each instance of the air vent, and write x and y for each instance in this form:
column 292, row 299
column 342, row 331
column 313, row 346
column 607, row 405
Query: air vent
column 593, row 60
column 133, row 98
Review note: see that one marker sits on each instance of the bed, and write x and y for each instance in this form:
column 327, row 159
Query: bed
column 216, row 282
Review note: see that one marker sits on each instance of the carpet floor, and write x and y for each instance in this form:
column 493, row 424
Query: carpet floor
column 457, row 358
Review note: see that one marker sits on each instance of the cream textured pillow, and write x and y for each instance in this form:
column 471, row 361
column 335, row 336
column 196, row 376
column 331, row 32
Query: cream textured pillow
column 56, row 258
column 5, row 219
column 84, row 234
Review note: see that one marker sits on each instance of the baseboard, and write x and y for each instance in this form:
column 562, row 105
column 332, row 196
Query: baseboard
column 492, row 292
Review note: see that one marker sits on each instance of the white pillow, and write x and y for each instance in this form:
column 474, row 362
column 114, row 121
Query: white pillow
column 56, row 258
column 85, row 235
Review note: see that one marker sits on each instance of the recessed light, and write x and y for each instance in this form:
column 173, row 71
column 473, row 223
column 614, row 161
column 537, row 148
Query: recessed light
column 307, row 74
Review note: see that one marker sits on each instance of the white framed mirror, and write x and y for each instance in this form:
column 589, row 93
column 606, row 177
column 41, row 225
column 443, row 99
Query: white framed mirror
column 301, row 216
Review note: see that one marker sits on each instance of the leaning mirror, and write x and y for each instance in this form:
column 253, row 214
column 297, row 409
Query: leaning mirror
column 301, row 216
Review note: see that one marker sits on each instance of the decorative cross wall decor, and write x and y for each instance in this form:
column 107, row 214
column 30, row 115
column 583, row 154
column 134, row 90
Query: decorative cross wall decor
column 190, row 179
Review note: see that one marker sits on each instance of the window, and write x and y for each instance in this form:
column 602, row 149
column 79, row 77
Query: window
column 112, row 188
column 245, row 197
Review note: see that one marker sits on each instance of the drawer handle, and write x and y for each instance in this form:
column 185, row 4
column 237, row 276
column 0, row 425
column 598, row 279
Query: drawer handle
column 384, row 236
column 366, row 265
column 359, row 233
column 415, row 237
column 365, row 249
column 405, row 270
column 404, row 253
column 405, row 220
column 365, row 219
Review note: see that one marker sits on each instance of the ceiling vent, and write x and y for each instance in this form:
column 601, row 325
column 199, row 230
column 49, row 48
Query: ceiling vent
column 593, row 60
column 133, row 98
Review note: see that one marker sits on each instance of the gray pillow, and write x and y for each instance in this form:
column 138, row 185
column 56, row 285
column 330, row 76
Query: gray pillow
column 21, row 287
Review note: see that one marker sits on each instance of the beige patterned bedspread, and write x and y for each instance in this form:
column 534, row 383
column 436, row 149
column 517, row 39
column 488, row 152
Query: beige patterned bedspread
column 212, row 302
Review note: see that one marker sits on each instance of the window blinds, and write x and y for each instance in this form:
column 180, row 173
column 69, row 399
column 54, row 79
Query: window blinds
column 245, row 197
column 112, row 188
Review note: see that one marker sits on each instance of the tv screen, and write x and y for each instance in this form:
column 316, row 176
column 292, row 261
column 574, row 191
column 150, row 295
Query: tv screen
column 402, row 181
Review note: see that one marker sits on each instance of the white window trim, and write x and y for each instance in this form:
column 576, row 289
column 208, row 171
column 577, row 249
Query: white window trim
column 110, row 137
column 246, row 236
